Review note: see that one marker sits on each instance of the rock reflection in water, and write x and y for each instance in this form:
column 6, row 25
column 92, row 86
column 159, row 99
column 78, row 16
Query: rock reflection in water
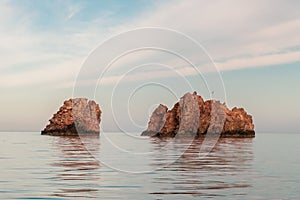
column 76, row 170
column 225, row 171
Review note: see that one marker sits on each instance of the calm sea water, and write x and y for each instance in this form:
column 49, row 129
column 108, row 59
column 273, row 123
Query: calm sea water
column 118, row 166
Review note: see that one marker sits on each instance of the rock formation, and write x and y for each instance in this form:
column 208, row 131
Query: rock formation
column 76, row 116
column 192, row 116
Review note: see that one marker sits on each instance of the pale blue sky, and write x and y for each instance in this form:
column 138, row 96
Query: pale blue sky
column 254, row 44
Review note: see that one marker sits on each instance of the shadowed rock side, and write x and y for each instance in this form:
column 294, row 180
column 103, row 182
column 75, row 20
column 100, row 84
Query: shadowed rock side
column 192, row 116
column 78, row 115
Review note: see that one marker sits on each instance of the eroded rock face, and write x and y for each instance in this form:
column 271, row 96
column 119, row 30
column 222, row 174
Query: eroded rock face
column 76, row 116
column 157, row 120
column 188, row 115
column 192, row 116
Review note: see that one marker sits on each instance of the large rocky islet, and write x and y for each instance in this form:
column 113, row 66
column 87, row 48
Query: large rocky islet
column 194, row 116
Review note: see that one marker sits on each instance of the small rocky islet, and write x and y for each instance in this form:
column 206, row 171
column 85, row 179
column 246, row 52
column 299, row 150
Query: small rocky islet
column 74, row 117
column 190, row 116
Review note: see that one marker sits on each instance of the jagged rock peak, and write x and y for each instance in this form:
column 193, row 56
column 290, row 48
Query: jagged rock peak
column 75, row 116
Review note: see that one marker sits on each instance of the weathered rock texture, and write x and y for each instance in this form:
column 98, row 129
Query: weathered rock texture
column 76, row 116
column 192, row 116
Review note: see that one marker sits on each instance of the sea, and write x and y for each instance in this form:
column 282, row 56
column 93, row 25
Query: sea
column 127, row 166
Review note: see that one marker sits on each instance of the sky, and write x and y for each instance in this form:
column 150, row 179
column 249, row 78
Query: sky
column 247, row 52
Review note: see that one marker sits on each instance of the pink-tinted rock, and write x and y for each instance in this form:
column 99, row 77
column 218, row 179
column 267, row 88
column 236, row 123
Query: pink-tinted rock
column 76, row 116
column 157, row 120
column 191, row 115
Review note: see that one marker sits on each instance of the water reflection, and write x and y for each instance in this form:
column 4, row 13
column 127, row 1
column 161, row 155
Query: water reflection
column 223, row 172
column 75, row 170
column 35, row 167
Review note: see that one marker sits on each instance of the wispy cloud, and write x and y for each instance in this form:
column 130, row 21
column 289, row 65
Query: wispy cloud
column 73, row 10
column 236, row 34
column 260, row 61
